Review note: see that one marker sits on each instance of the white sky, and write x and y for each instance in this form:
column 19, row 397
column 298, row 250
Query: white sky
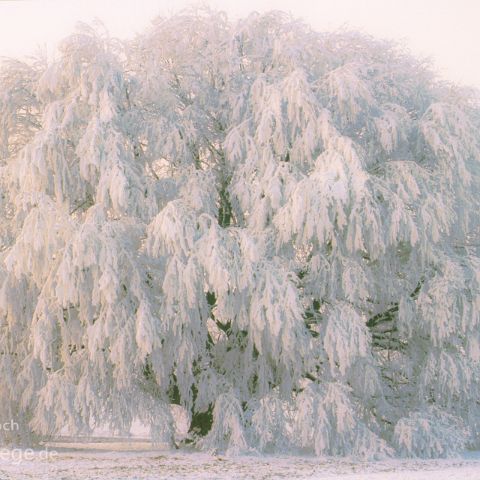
column 446, row 30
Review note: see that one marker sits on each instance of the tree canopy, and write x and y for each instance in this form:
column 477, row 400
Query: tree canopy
column 274, row 228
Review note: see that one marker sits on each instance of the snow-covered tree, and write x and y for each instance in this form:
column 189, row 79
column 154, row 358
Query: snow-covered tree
column 273, row 228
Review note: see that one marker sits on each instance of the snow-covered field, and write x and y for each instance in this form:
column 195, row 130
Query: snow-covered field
column 73, row 464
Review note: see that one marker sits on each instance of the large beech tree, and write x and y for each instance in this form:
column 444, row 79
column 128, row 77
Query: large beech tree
column 273, row 228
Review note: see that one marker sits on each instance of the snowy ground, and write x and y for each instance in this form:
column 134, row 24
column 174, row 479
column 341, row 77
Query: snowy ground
column 73, row 464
